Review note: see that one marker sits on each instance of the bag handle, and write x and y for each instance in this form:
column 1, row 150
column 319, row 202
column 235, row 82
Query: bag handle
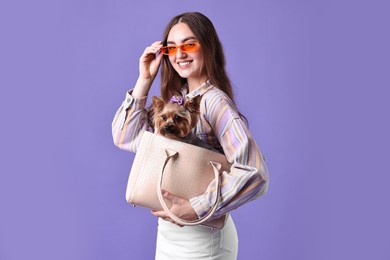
column 216, row 167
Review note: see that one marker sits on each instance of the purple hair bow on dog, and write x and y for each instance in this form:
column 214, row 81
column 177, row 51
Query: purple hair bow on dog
column 177, row 99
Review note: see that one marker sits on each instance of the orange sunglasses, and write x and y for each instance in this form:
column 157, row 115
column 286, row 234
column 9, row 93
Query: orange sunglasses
column 186, row 47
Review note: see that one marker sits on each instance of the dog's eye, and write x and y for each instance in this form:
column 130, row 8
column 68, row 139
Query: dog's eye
column 164, row 117
column 177, row 117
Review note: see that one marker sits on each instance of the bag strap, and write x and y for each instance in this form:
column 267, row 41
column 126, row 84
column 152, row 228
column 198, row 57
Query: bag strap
column 216, row 168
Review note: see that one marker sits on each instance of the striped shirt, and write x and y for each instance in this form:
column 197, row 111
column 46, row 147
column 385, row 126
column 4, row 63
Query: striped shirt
column 221, row 127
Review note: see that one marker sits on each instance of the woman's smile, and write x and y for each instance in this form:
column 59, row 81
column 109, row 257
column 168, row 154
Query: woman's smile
column 184, row 64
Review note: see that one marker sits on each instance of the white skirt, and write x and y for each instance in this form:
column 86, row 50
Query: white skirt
column 196, row 242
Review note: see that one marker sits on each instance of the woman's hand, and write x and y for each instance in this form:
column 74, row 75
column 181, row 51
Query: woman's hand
column 149, row 63
column 180, row 207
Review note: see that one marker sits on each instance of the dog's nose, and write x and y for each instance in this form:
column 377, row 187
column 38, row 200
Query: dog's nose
column 169, row 128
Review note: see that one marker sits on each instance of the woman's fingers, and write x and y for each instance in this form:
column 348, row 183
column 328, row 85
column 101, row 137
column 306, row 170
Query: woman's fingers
column 157, row 43
column 160, row 214
column 150, row 60
column 168, row 195
column 154, row 48
column 179, row 207
column 164, row 216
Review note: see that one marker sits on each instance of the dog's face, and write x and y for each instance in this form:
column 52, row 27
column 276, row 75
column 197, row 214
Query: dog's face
column 173, row 119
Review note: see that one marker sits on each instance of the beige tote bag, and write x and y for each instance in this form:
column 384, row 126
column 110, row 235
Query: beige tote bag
column 180, row 168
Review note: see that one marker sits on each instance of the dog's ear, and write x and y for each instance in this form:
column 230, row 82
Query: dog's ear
column 151, row 116
column 157, row 104
column 193, row 104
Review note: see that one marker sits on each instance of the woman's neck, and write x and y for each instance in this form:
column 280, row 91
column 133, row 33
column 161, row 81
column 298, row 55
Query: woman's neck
column 194, row 83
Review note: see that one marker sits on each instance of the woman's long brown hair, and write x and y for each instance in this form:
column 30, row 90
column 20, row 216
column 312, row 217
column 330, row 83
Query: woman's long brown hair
column 213, row 56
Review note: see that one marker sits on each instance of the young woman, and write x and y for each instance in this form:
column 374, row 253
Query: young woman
column 193, row 64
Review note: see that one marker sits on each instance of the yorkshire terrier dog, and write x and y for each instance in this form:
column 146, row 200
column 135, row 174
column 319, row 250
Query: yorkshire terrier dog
column 176, row 118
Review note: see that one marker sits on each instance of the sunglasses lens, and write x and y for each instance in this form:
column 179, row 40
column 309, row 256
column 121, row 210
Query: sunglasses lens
column 169, row 50
column 187, row 47
column 193, row 46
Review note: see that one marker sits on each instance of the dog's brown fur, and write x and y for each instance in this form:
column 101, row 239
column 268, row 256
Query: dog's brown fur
column 173, row 120
column 176, row 121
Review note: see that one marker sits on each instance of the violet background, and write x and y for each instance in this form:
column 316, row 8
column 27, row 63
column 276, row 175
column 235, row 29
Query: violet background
column 312, row 77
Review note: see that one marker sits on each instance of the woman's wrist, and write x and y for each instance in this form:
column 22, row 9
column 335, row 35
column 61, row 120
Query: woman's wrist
column 141, row 88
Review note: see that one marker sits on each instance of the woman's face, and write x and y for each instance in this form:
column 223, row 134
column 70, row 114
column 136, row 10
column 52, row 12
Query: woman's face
column 188, row 65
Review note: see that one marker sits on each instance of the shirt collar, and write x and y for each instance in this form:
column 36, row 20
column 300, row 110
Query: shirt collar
column 199, row 91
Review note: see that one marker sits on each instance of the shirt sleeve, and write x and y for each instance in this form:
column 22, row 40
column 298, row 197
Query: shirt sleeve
column 248, row 177
column 130, row 122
